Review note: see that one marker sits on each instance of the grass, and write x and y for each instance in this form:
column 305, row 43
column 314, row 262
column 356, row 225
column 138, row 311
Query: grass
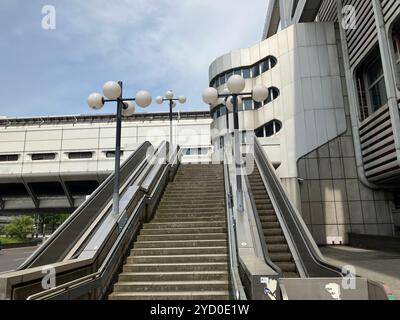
column 6, row 240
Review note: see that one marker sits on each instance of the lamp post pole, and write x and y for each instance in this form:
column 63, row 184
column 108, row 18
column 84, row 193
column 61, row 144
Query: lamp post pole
column 113, row 92
column 117, row 163
column 169, row 96
column 232, row 95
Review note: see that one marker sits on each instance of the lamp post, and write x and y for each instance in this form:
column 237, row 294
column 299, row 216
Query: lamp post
column 113, row 92
column 169, row 96
column 233, row 96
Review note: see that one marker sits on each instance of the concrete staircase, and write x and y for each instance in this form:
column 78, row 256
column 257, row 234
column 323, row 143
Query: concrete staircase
column 276, row 243
column 183, row 252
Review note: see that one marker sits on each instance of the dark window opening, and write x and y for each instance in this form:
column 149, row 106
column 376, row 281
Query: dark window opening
column 273, row 93
column 13, row 190
column 80, row 155
column 8, row 157
column 370, row 83
column 43, row 156
column 43, row 189
column 268, row 130
column 248, row 104
column 196, row 151
column 256, row 70
column 81, row 188
column 396, row 48
column 111, row 154
column 246, row 73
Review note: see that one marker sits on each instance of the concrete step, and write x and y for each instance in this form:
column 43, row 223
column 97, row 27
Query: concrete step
column 178, row 251
column 212, row 211
column 184, row 230
column 176, row 267
column 178, row 295
column 194, row 215
column 174, row 276
column 181, row 243
column 166, row 218
column 194, row 197
column 291, row 275
column 186, row 258
column 171, row 286
column 198, row 201
column 190, row 236
column 186, row 206
column 201, row 224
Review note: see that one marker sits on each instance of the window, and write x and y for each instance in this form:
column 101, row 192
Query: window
column 196, row 151
column 8, row 157
column 273, row 93
column 396, row 49
column 246, row 73
column 255, row 70
column 111, row 154
column 268, row 64
column 80, row 155
column 43, row 156
column 370, row 83
column 248, row 104
column 376, row 84
column 257, row 105
column 222, row 80
column 268, row 130
column 238, row 72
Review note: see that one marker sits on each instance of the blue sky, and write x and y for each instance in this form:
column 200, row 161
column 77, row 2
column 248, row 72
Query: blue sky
column 154, row 45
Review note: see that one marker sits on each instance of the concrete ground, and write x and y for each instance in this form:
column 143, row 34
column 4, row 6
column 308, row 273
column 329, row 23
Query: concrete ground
column 376, row 265
column 10, row 259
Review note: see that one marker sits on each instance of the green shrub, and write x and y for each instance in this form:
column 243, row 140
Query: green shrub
column 20, row 227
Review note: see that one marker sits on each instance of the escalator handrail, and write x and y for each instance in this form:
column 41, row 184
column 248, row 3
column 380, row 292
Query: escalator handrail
column 137, row 177
column 260, row 231
column 310, row 244
column 236, row 283
column 53, row 238
column 95, row 277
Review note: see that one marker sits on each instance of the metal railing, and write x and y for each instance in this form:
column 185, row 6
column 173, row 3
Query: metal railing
column 295, row 230
column 101, row 280
column 59, row 243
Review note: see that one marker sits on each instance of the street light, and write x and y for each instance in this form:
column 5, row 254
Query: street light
column 169, row 96
column 112, row 91
column 233, row 96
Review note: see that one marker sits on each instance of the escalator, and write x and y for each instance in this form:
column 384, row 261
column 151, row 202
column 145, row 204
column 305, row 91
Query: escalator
column 182, row 253
column 277, row 246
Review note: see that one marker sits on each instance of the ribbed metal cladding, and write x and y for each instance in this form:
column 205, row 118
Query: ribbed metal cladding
column 390, row 9
column 378, row 148
column 361, row 39
column 328, row 11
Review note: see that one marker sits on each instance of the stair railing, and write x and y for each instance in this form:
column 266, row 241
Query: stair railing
column 97, row 284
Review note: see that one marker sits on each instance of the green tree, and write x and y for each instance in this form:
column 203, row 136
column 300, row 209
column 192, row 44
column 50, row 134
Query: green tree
column 20, row 227
column 2, row 231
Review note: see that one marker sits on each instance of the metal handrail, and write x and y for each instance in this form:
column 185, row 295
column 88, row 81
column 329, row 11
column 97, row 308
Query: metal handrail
column 260, row 231
column 310, row 257
column 93, row 280
column 236, row 283
column 55, row 236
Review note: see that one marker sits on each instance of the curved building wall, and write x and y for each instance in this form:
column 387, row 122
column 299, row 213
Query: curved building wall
column 310, row 105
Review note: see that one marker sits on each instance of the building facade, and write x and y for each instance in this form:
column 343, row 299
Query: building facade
column 50, row 164
column 331, row 122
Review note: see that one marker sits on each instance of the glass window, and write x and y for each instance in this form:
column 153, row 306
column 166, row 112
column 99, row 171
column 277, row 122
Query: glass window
column 222, row 80
column 111, row 154
column 268, row 130
column 376, row 84
column 43, row 156
column 265, row 65
column 228, row 75
column 255, row 70
column 8, row 157
column 238, row 71
column 257, row 105
column 246, row 73
column 217, row 82
column 248, row 104
column 396, row 48
column 80, row 155
column 273, row 93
